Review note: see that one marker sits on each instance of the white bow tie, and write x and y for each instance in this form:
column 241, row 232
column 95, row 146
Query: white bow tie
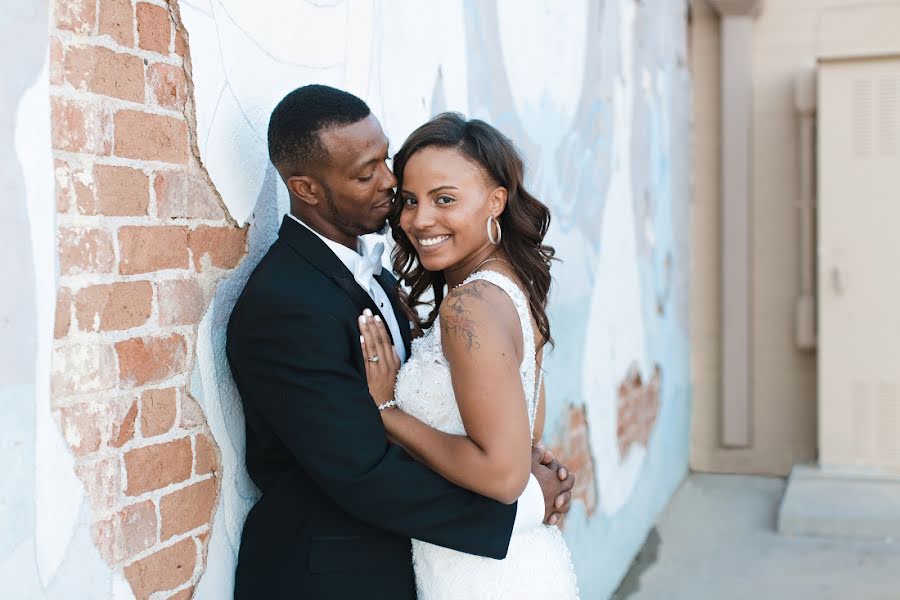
column 369, row 265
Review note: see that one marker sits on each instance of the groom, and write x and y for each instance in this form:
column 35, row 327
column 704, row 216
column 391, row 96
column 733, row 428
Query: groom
column 339, row 502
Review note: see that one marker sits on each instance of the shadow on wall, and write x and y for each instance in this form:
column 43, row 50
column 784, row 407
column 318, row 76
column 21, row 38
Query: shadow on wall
column 214, row 389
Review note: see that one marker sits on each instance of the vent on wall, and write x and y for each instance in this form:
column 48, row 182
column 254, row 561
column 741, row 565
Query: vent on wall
column 889, row 115
column 863, row 117
column 876, row 113
column 889, row 421
column 876, row 421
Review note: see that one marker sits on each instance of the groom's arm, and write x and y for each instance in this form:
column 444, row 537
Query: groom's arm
column 299, row 375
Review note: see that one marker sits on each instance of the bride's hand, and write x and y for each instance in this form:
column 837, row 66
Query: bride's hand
column 382, row 362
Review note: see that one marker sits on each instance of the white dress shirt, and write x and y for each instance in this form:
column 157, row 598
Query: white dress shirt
column 530, row 509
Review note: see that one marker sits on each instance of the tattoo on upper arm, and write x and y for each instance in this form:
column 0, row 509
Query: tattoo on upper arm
column 457, row 319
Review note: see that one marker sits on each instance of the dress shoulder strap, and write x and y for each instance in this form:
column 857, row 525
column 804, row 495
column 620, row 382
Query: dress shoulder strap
column 528, row 367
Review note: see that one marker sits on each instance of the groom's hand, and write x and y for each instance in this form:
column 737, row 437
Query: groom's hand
column 556, row 483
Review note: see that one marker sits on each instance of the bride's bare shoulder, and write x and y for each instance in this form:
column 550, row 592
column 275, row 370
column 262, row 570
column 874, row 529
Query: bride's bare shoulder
column 475, row 313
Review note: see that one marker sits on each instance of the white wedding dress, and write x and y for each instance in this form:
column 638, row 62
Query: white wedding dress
column 538, row 564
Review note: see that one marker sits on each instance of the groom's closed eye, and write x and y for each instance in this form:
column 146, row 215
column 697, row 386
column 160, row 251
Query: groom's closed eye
column 366, row 174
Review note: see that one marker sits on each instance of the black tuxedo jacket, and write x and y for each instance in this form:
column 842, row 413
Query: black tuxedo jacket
column 339, row 503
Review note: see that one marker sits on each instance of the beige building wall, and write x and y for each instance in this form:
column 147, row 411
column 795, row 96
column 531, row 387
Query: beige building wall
column 783, row 377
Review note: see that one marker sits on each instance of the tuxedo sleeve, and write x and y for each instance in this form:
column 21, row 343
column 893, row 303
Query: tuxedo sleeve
column 298, row 372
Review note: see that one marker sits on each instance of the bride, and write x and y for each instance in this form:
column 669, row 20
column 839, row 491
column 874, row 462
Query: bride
column 469, row 403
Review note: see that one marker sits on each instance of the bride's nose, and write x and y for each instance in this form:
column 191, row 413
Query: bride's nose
column 425, row 216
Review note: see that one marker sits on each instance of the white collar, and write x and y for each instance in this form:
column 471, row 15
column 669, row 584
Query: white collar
column 359, row 263
column 345, row 254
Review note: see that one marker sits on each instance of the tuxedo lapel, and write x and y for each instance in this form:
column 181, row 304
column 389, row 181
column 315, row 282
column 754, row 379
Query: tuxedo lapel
column 311, row 248
column 390, row 288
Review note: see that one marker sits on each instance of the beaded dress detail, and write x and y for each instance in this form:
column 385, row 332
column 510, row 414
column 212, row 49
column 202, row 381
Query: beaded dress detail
column 538, row 564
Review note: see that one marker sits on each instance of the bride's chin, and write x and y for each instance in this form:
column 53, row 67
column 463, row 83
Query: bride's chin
column 429, row 264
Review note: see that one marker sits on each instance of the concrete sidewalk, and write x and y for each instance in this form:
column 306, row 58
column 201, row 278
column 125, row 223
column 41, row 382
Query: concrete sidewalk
column 717, row 540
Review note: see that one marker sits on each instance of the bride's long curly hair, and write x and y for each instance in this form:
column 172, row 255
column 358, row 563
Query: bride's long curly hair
column 524, row 221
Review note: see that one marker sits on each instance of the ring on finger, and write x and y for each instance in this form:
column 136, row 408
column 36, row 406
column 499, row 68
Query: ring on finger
column 374, row 358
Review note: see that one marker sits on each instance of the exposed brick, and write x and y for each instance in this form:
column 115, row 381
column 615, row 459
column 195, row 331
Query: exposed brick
column 191, row 413
column 57, row 61
column 150, row 360
column 114, row 306
column 102, row 481
column 83, row 250
column 62, row 177
column 185, row 594
column 147, row 136
column 158, row 411
column 82, row 369
column 78, row 16
column 126, row 533
column 187, row 508
column 169, row 85
column 81, row 427
column 206, row 456
column 154, row 28
column 84, row 194
column 89, row 426
column 63, row 313
column 180, row 302
column 221, row 247
column 80, row 127
column 116, row 20
column 573, row 450
column 165, row 569
column 181, row 43
column 104, row 71
column 148, row 249
column 183, row 195
column 124, row 431
column 72, row 183
column 157, row 466
column 118, row 192
column 637, row 409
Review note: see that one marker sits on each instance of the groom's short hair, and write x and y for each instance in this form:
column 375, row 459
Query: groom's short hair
column 294, row 127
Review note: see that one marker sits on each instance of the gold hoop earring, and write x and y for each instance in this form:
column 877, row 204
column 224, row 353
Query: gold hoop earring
column 490, row 230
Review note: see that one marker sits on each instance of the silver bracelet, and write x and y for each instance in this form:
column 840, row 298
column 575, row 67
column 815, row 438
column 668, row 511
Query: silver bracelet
column 387, row 404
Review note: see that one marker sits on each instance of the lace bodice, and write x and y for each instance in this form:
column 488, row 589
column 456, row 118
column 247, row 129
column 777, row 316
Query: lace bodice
column 424, row 388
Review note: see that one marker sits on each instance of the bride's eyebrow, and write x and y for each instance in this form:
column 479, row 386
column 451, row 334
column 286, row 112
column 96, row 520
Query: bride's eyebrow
column 441, row 188
column 431, row 192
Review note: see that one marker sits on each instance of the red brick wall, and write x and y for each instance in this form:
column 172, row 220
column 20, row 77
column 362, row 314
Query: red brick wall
column 638, row 409
column 143, row 238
